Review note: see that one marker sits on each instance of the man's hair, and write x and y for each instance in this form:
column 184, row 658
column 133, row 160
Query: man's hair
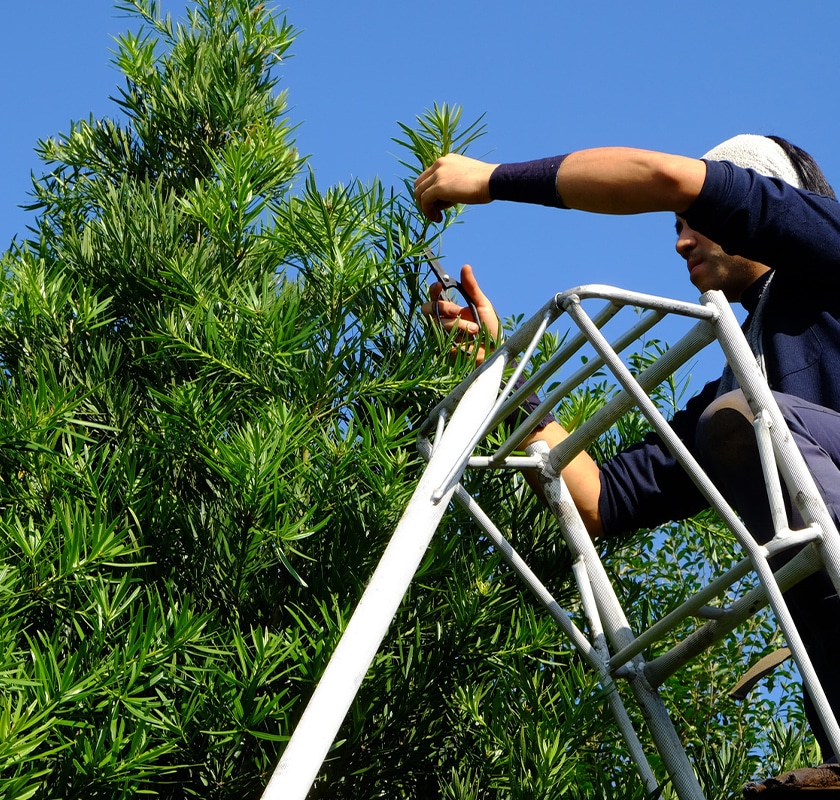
column 809, row 172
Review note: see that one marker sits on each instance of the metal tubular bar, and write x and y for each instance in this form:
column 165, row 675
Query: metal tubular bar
column 618, row 629
column 455, row 473
column 511, row 462
column 588, row 651
column 357, row 647
column 684, row 611
column 565, row 352
column 785, row 539
column 761, row 426
column 800, row 654
column 694, row 341
column 659, row 669
column 627, row 298
column 804, row 494
column 561, row 391
column 810, row 503
column 590, row 609
column 441, row 426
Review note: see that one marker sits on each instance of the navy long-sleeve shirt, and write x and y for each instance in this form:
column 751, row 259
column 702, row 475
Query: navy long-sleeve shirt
column 795, row 233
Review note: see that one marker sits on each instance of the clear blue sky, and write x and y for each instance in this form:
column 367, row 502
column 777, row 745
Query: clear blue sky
column 549, row 75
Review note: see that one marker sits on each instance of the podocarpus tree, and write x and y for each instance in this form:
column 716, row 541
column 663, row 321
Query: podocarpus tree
column 212, row 372
column 179, row 415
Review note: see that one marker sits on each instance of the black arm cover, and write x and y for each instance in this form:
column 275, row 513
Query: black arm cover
column 528, row 182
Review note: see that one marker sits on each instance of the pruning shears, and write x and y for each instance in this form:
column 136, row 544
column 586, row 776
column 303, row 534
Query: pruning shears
column 448, row 283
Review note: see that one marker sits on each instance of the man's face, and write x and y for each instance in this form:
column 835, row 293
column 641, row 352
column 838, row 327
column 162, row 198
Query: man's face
column 709, row 267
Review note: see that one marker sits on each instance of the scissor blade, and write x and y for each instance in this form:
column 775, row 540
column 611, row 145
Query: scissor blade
column 446, row 280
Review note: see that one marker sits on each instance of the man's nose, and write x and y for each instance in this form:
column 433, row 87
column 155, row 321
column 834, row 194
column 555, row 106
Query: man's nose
column 686, row 241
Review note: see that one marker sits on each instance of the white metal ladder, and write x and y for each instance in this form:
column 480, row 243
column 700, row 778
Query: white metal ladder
column 448, row 439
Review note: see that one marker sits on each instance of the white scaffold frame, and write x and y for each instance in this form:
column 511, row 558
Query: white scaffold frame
column 448, row 440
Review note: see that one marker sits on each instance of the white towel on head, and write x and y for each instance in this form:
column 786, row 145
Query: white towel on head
column 751, row 151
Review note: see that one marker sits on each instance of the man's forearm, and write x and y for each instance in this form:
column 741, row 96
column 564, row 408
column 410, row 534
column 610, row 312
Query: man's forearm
column 620, row 180
column 581, row 475
column 607, row 180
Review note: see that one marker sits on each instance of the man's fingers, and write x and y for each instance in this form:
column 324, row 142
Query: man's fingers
column 426, row 194
column 432, row 207
column 486, row 313
column 470, row 284
column 450, row 315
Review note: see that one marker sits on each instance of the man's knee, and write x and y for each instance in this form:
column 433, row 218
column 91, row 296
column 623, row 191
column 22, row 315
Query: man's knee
column 725, row 437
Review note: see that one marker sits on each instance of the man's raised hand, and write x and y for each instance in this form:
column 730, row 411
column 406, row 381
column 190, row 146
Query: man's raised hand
column 452, row 179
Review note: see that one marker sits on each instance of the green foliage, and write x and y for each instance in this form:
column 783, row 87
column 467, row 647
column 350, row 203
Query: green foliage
column 437, row 133
column 212, row 374
column 206, row 423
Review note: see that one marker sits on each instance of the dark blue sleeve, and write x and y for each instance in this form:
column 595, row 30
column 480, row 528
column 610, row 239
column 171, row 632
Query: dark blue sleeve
column 644, row 486
column 769, row 221
column 765, row 220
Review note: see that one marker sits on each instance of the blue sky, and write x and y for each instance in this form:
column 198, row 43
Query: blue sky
column 550, row 76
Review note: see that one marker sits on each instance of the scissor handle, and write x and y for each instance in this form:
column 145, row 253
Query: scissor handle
column 448, row 282
column 444, row 278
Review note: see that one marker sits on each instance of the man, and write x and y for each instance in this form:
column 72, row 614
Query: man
column 757, row 220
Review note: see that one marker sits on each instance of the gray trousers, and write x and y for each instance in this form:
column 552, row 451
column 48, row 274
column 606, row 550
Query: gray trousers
column 727, row 449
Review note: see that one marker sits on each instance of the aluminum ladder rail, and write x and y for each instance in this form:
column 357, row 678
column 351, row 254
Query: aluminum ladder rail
column 602, row 608
column 317, row 728
column 459, row 423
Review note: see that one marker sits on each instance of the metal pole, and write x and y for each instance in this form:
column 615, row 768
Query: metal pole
column 317, row 729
